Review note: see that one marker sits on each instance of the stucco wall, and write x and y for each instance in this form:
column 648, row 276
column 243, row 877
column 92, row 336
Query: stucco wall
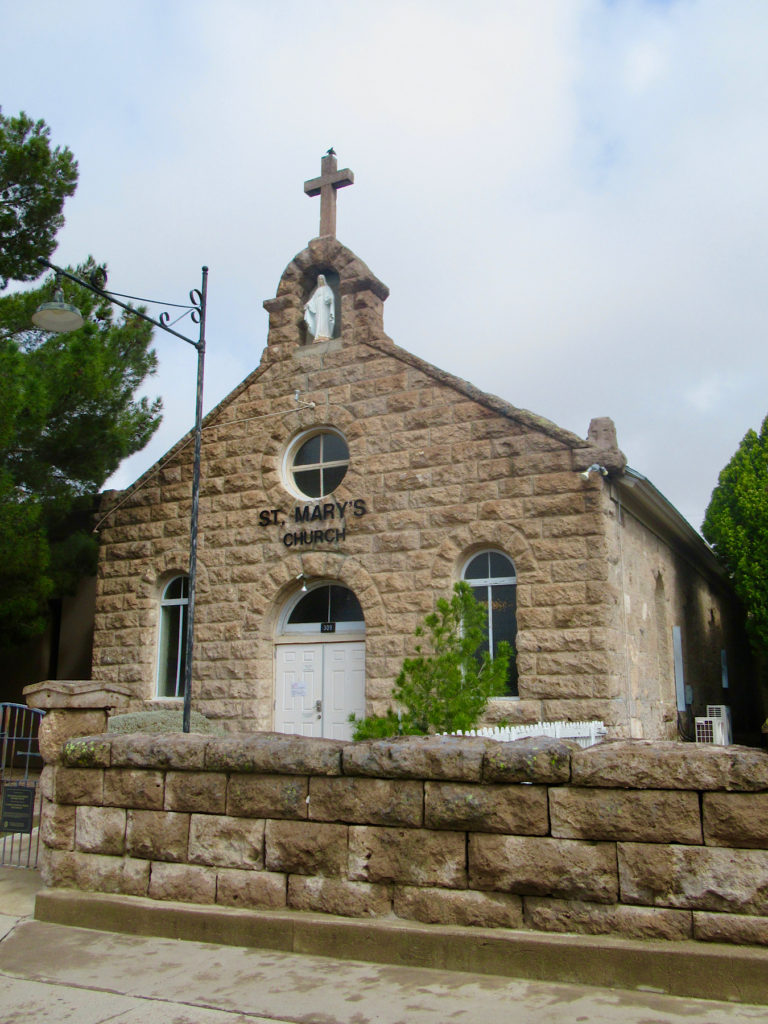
column 660, row 586
column 661, row 840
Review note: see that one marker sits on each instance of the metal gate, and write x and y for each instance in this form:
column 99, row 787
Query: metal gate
column 20, row 767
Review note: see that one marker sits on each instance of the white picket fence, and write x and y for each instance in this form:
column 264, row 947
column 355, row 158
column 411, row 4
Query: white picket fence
column 586, row 734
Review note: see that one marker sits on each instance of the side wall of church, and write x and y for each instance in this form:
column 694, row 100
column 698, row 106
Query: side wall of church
column 659, row 589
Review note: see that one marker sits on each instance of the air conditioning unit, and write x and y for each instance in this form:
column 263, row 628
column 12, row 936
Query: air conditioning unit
column 723, row 712
column 711, row 730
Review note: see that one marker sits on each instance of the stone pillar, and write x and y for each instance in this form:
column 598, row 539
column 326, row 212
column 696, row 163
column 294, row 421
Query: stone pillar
column 73, row 708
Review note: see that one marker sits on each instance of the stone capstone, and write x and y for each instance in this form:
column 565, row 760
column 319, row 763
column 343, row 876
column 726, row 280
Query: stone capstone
column 163, row 720
column 273, row 752
column 537, row 759
column 666, row 764
column 417, row 757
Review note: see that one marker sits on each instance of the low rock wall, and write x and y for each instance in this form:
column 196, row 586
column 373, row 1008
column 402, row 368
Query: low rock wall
column 638, row 839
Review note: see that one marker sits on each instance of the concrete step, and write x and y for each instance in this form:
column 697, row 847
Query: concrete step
column 691, row 969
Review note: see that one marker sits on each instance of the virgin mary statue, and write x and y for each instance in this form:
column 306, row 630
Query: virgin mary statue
column 320, row 311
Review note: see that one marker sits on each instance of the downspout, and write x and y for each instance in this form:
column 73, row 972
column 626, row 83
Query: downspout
column 627, row 661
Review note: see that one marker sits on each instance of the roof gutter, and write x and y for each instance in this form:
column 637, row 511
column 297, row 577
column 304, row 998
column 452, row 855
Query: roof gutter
column 637, row 495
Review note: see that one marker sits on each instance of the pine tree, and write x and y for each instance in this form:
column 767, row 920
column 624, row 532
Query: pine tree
column 446, row 687
column 68, row 416
column 34, row 182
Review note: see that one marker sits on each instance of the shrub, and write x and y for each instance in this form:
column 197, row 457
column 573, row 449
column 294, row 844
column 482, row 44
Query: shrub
column 447, row 687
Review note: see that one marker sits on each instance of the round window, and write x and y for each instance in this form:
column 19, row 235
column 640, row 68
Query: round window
column 317, row 463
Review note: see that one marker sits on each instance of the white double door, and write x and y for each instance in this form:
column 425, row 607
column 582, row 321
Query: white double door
column 318, row 686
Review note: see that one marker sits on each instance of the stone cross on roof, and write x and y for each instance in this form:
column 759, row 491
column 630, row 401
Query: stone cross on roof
column 325, row 186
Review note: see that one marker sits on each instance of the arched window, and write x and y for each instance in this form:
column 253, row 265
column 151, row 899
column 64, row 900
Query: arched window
column 325, row 605
column 491, row 575
column 172, row 654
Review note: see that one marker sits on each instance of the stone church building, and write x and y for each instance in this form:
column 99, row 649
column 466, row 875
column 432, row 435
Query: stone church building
column 347, row 484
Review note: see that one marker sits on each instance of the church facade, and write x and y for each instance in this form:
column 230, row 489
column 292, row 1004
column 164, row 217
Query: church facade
column 346, row 485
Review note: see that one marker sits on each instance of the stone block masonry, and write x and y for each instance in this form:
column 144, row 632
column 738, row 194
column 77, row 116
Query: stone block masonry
column 628, row 838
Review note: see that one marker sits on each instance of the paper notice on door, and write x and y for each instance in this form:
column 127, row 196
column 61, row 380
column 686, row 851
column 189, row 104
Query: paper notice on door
column 298, row 688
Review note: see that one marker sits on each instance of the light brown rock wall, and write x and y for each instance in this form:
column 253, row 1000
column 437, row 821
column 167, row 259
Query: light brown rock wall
column 443, row 470
column 570, row 840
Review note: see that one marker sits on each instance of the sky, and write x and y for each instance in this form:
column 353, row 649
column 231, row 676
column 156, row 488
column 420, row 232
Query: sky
column 567, row 198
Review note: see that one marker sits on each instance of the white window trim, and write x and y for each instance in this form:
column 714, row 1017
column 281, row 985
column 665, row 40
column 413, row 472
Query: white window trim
column 290, row 454
column 171, row 602
column 312, row 629
column 488, row 582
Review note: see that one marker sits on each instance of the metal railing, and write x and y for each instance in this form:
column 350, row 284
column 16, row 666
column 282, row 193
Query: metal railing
column 20, row 767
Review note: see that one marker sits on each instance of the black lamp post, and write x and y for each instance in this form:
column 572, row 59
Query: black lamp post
column 59, row 316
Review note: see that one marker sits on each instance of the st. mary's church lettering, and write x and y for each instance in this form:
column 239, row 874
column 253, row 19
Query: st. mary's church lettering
column 315, row 513
column 320, row 513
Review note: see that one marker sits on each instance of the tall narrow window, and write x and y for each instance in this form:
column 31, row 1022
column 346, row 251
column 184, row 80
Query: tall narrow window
column 491, row 575
column 173, row 638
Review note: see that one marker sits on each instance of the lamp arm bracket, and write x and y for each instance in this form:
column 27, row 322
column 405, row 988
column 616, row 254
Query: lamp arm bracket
column 164, row 320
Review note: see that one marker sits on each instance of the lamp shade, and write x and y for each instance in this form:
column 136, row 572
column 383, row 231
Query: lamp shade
column 58, row 316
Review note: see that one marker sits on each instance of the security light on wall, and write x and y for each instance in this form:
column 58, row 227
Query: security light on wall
column 594, row 468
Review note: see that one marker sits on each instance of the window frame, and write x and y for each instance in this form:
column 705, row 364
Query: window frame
column 163, row 682
column 293, row 449
column 343, row 627
column 488, row 582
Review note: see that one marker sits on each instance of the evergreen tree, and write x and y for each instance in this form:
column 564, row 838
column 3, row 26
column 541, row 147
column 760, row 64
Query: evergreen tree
column 447, row 687
column 736, row 525
column 68, row 416
column 34, row 182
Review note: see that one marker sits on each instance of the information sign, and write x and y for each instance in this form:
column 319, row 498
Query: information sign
column 17, row 810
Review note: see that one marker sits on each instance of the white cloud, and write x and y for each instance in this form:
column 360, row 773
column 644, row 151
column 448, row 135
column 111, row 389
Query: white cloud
column 566, row 198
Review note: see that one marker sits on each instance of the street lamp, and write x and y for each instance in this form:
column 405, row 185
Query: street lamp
column 60, row 316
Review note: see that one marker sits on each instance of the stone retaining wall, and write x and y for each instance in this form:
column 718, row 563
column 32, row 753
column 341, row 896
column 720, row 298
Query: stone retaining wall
column 639, row 839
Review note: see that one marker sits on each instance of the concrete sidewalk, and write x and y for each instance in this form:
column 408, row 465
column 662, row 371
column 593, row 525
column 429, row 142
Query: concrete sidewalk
column 58, row 973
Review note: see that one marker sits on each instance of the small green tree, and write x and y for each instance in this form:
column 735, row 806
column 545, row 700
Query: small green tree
column 447, row 688
column 736, row 525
